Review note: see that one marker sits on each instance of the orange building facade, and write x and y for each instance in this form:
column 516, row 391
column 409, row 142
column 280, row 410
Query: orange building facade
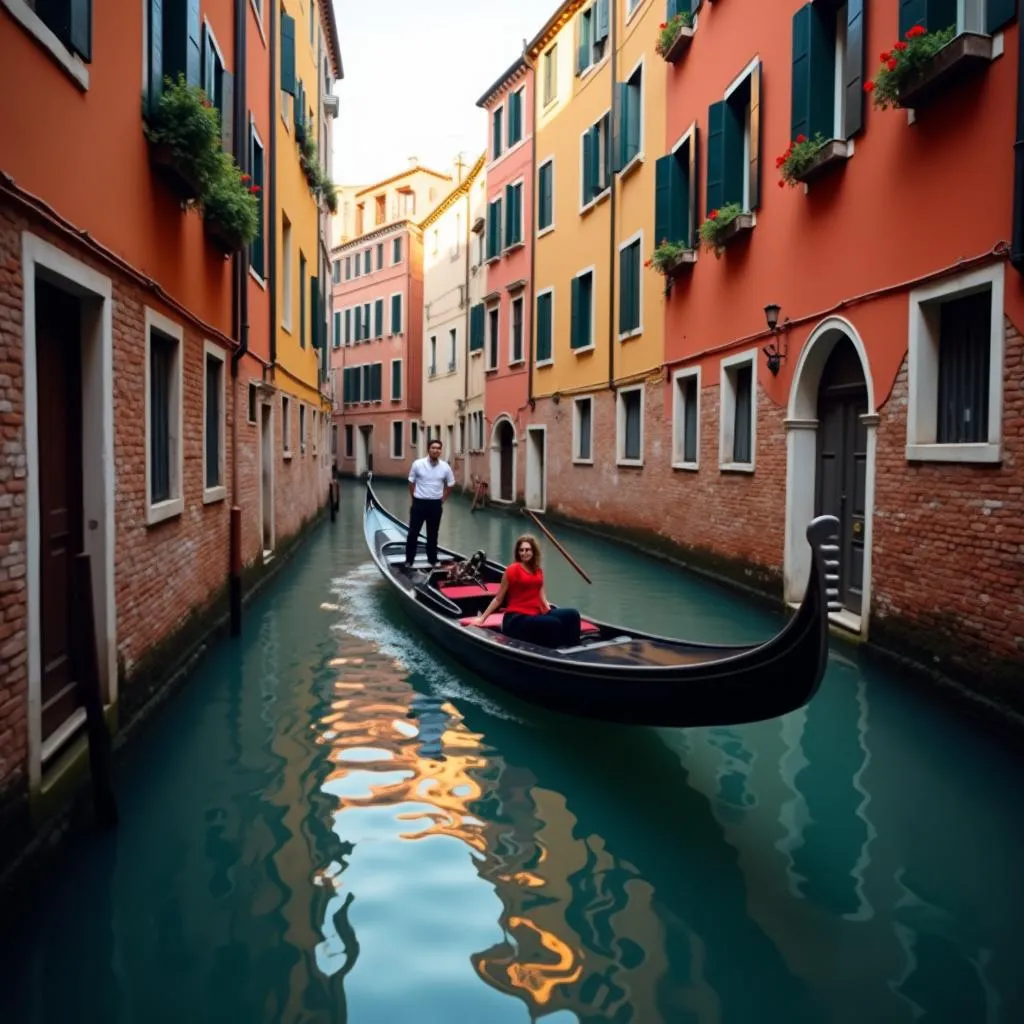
column 134, row 340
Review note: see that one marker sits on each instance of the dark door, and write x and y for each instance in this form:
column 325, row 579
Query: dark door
column 59, row 377
column 506, row 462
column 842, row 463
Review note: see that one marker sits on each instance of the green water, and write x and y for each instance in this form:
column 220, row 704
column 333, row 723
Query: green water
column 333, row 823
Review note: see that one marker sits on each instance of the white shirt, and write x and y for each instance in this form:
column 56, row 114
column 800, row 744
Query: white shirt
column 430, row 478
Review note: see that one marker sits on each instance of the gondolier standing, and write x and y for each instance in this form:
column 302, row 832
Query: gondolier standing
column 430, row 482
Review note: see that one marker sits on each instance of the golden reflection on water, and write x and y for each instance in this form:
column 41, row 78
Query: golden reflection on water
column 579, row 931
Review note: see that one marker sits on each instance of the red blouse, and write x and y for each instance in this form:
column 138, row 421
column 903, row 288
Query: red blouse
column 524, row 587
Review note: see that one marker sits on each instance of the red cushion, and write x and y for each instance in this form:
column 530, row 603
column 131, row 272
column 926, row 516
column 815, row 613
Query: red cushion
column 455, row 591
column 494, row 622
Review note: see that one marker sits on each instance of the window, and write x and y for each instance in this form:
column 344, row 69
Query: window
column 378, row 318
column 414, row 435
column 397, row 438
column 550, row 68
column 595, row 161
column 336, row 272
column 546, row 195
column 452, row 343
column 629, row 119
column 164, row 469
column 582, row 429
column 356, row 270
column 513, row 215
column 334, row 440
column 591, row 35
column 827, row 93
column 302, row 299
column 462, row 435
column 629, row 426
column 545, row 325
column 738, row 413
column 256, row 163
column 432, row 365
column 494, row 229
column 477, row 319
column 381, row 209
column 515, row 116
column 352, row 384
column 348, row 268
column 955, row 369
column 630, row 292
column 435, row 241
column 492, row 338
column 337, row 328
column 408, row 200
column 348, row 326
column 213, row 69
column 734, row 131
column 358, row 317
column 496, row 132
column 367, row 268
column 252, row 403
column 675, row 192
column 686, row 418
column 286, row 426
column 287, row 299
column 302, row 429
column 396, row 251
column 516, row 332
column 71, row 24
column 582, row 326
column 349, row 439
column 396, row 313
column 396, row 380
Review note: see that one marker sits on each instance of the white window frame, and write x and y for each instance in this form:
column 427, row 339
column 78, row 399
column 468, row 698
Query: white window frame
column 592, row 270
column 252, row 402
column 302, row 428
column 620, row 425
column 391, row 381
column 254, row 137
column 174, row 505
column 509, row 144
column 211, row 38
column 218, row 493
column 492, row 157
column 632, row 6
column 690, row 138
column 75, row 67
column 545, row 60
column 576, row 403
column 511, row 247
column 400, row 453
column 391, row 314
column 727, row 411
column 512, row 360
column 735, row 84
column 679, row 418
column 601, row 196
column 637, row 236
column 287, row 274
column 337, row 328
column 541, row 232
column 453, row 349
column 923, row 368
column 633, row 164
column 432, row 357
column 286, row 426
column 550, row 361
column 490, row 307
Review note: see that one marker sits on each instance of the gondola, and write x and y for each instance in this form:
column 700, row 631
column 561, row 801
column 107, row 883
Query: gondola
column 613, row 674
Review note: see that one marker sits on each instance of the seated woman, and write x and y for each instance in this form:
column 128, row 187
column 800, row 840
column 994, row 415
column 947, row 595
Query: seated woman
column 528, row 616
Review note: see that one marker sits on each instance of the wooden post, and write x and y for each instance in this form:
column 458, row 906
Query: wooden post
column 87, row 670
column 235, row 575
column 554, row 540
column 331, row 501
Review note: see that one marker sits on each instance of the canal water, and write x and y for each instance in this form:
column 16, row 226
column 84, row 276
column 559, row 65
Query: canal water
column 333, row 823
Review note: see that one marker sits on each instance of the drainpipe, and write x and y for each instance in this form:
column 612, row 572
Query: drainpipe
column 532, row 68
column 465, row 354
column 613, row 19
column 241, row 305
column 1017, row 247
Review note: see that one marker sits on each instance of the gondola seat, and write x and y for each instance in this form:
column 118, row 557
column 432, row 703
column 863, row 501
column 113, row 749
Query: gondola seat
column 494, row 622
column 457, row 592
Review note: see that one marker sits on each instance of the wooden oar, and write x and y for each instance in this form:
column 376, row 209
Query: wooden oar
column 551, row 537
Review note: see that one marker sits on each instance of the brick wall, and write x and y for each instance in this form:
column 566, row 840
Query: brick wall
column 383, row 464
column 300, row 482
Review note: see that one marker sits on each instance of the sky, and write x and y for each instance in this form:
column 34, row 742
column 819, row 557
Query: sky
column 414, row 70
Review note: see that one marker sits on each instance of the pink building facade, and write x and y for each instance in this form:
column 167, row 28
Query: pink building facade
column 376, row 350
column 500, row 328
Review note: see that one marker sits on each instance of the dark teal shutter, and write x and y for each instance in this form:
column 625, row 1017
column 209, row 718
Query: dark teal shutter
column 601, row 24
column 80, row 28
column 314, row 306
column 575, row 328
column 633, row 120
column 800, row 111
column 585, row 169
column 156, row 52
column 663, row 199
column 510, row 213
column 194, row 53
column 396, row 314
column 627, row 300
column 396, row 380
column 814, row 70
column 287, row 54
column 998, row 14
column 716, row 156
column 912, row 12
column 543, row 327
column 582, row 44
column 376, row 382
column 853, row 68
column 175, row 41
column 620, row 126
column 378, row 318
column 595, row 161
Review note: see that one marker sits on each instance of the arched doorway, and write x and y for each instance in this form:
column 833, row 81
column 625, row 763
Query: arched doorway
column 830, row 446
column 503, row 460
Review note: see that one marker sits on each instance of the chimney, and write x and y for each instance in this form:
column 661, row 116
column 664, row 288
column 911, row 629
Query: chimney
column 459, row 167
column 413, row 161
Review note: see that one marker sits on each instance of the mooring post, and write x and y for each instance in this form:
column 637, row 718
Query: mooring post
column 331, row 501
column 235, row 575
column 87, row 669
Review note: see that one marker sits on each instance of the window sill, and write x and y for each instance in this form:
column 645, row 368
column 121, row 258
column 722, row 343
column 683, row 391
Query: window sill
column 255, row 275
column 71, row 63
column 516, row 362
column 476, row 354
column 630, row 463
column 585, row 350
column 964, row 54
column 287, row 456
column 596, row 201
column 680, row 44
column 976, row 453
column 542, row 363
column 735, row 467
column 689, row 467
column 287, row 328
column 545, row 231
column 212, row 494
column 833, row 154
column 398, row 456
column 629, row 335
column 164, row 510
column 632, row 166
column 513, row 247
column 490, row 369
column 582, row 462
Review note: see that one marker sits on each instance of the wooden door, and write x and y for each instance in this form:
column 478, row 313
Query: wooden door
column 506, row 483
column 59, row 383
column 842, row 465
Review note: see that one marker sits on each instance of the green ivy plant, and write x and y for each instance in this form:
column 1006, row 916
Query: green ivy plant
column 667, row 255
column 232, row 203
column 189, row 125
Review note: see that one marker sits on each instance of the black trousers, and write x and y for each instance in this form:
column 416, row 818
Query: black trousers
column 559, row 627
column 424, row 510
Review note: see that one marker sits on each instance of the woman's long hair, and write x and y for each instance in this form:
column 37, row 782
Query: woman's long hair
column 528, row 538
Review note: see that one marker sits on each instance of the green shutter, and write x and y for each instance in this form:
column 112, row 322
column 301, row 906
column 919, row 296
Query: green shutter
column 396, row 314
column 585, row 169
column 595, row 161
column 716, row 156
column 576, row 325
column 194, row 51
column 80, row 28
column 620, row 126
column 853, row 68
column 912, row 12
column 378, row 318
column 800, row 99
column 314, row 306
column 663, row 198
column 376, row 375
column 814, row 56
column 510, row 213
column 396, row 380
column 998, row 14
column 156, row 52
column 175, row 35
column 582, row 43
column 633, row 121
column 601, row 24
column 627, row 300
column 287, row 54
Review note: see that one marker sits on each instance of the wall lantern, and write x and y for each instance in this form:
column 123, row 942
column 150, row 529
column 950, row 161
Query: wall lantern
column 773, row 353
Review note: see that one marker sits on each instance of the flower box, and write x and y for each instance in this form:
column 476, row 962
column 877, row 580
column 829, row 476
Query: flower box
column 967, row 53
column 739, row 225
column 833, row 152
column 683, row 261
column 680, row 45
column 225, row 240
column 174, row 173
